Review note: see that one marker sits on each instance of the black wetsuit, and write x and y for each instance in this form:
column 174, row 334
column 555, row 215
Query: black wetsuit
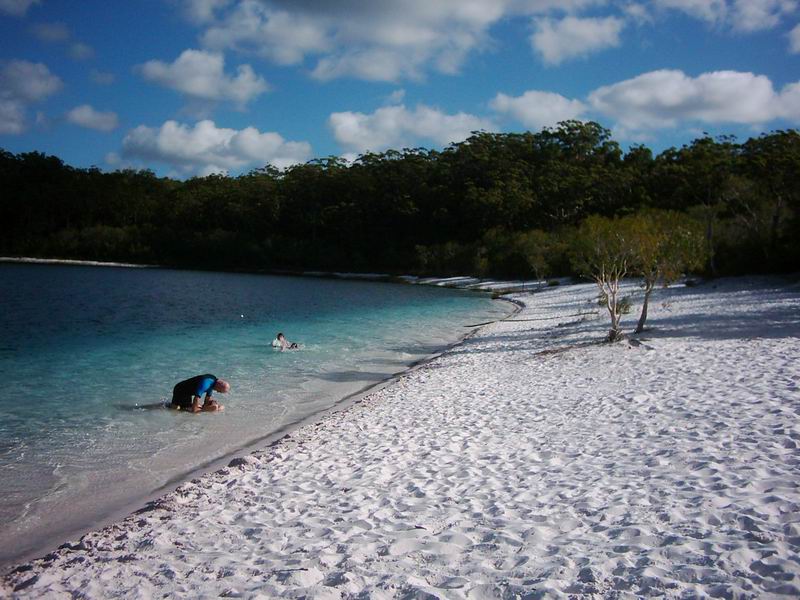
column 184, row 392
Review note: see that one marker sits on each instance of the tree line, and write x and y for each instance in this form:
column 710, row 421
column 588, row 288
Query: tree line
column 513, row 205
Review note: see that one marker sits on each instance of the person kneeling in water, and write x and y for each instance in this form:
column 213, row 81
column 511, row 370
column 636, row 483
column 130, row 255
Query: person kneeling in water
column 186, row 394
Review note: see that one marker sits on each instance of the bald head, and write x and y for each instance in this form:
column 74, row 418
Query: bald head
column 222, row 386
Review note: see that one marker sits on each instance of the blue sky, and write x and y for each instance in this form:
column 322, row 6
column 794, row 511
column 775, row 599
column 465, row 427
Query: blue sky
column 191, row 87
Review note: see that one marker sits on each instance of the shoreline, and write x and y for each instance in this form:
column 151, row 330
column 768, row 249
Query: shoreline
column 665, row 465
column 460, row 282
column 285, row 431
column 25, row 260
column 132, row 507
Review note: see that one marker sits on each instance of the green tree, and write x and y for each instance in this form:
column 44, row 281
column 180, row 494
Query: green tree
column 663, row 245
column 773, row 162
column 601, row 250
column 702, row 175
column 493, row 204
column 537, row 248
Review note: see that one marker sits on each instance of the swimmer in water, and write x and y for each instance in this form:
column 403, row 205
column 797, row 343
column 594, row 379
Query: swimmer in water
column 282, row 343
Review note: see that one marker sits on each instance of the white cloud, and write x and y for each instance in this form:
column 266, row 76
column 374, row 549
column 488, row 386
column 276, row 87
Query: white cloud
column 51, row 32
column 712, row 11
column 570, row 37
column 638, row 12
column 397, row 127
column 665, row 98
column 755, row 15
column 789, row 102
column 202, row 11
column 396, row 97
column 370, row 65
column 662, row 99
column 280, row 36
column 22, row 83
column 16, row 8
column 794, row 40
column 88, row 117
column 201, row 75
column 378, row 41
column 536, row 109
column 740, row 15
column 27, row 81
column 206, row 148
column 12, row 116
column 392, row 41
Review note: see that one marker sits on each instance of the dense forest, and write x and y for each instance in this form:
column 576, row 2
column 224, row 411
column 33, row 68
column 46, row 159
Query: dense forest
column 496, row 204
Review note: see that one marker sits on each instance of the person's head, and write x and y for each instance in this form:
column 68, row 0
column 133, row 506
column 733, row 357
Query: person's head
column 222, row 386
column 280, row 336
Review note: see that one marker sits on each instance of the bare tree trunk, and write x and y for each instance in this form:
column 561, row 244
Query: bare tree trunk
column 614, row 334
column 611, row 290
column 643, row 317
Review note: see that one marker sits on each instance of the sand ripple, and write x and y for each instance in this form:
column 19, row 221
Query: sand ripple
column 668, row 468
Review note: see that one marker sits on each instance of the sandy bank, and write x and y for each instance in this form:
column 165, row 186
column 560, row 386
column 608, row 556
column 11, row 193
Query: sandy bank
column 527, row 460
column 67, row 261
column 468, row 283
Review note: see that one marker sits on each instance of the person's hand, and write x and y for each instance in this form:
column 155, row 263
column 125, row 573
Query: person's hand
column 211, row 406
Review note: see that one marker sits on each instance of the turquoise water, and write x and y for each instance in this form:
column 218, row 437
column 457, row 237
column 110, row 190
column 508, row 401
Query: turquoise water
column 87, row 354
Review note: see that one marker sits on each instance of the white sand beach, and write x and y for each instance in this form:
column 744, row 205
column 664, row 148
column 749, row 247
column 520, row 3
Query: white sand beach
column 528, row 461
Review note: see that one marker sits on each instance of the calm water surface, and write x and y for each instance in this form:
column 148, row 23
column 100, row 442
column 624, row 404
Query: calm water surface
column 87, row 354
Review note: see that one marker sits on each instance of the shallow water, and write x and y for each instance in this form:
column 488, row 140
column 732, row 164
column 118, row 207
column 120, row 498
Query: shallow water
column 87, row 355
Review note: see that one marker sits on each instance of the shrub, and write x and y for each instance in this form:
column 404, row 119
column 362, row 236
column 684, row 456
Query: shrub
column 601, row 251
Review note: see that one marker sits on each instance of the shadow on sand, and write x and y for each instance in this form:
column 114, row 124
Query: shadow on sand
column 776, row 317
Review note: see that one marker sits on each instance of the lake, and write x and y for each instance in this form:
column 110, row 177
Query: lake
column 89, row 354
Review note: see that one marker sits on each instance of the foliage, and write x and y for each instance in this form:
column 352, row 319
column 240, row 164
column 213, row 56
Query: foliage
column 664, row 245
column 600, row 250
column 450, row 258
column 496, row 204
column 772, row 163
